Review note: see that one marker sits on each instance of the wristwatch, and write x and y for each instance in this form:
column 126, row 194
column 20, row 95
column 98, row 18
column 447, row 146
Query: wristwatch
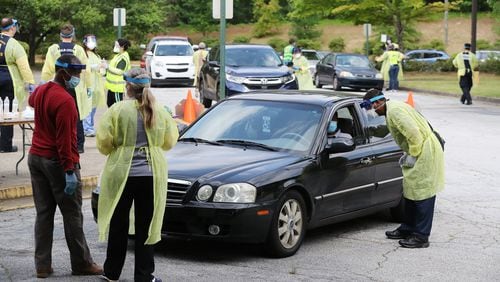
column 69, row 172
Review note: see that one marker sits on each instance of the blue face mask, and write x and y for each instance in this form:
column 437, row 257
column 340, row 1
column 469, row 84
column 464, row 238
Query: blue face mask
column 72, row 82
column 332, row 126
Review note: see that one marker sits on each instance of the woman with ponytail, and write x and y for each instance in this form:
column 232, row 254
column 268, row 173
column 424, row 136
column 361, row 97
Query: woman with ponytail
column 134, row 134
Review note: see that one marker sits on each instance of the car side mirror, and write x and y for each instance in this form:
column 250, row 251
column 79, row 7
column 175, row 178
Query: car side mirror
column 340, row 145
column 214, row 64
column 142, row 46
column 149, row 53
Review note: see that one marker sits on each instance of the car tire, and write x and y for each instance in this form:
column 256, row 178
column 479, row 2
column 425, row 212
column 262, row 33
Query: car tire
column 207, row 103
column 289, row 219
column 317, row 82
column 398, row 212
column 336, row 84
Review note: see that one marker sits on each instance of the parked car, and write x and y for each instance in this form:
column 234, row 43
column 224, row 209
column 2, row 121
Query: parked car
column 170, row 61
column 248, row 67
column 313, row 58
column 484, row 55
column 260, row 168
column 426, row 56
column 152, row 42
column 347, row 70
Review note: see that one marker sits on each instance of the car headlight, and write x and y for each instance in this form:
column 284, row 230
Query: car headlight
column 378, row 75
column 204, row 193
column 236, row 193
column 345, row 74
column 235, row 79
column 288, row 78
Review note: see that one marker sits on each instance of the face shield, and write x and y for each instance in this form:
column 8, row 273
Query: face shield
column 90, row 42
column 116, row 49
column 368, row 105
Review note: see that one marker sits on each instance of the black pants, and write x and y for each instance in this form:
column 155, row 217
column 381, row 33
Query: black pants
column 466, row 85
column 7, row 131
column 80, row 135
column 418, row 217
column 140, row 191
column 114, row 97
column 48, row 182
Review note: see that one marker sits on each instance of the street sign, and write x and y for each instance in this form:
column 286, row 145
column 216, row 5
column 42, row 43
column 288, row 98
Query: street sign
column 367, row 30
column 383, row 38
column 119, row 16
column 216, row 9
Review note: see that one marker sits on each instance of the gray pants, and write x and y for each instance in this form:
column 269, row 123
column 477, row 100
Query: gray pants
column 48, row 182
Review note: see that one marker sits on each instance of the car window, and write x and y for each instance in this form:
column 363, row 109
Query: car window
column 174, row 50
column 377, row 127
column 348, row 124
column 428, row 55
column 213, row 55
column 252, row 57
column 310, row 55
column 281, row 125
column 352, row 61
column 330, row 59
column 414, row 55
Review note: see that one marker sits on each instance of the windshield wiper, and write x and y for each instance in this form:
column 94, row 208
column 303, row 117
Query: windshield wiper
column 247, row 144
column 200, row 140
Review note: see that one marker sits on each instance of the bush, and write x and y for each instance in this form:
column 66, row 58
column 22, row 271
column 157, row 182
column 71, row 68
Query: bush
column 241, row 39
column 337, row 44
column 309, row 44
column 435, row 44
column 490, row 66
column 482, row 44
column 277, row 43
column 439, row 66
column 211, row 42
column 135, row 52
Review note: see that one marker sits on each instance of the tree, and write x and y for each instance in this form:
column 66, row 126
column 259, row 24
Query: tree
column 398, row 14
column 198, row 14
column 266, row 12
column 304, row 17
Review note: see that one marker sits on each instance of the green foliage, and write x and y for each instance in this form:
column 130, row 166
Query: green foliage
column 305, row 19
column 439, row 66
column 211, row 41
column 277, row 43
column 135, row 52
column 337, row 44
column 435, row 44
column 309, row 44
column 241, row 39
column 490, row 66
column 482, row 44
column 25, row 45
column 267, row 20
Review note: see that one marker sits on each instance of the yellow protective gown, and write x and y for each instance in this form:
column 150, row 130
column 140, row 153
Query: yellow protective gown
column 385, row 59
column 19, row 69
column 116, row 138
column 458, row 62
column 303, row 75
column 96, row 80
column 198, row 58
column 83, row 100
column 413, row 134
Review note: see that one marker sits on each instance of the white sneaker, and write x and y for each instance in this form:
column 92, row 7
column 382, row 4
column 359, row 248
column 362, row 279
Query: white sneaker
column 105, row 278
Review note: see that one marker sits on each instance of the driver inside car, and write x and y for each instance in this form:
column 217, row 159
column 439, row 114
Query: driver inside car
column 334, row 130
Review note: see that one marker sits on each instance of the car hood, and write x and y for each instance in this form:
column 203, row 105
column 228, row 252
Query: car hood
column 258, row 71
column 173, row 60
column 224, row 164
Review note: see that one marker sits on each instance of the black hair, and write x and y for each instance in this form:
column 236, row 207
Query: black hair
column 68, row 59
column 373, row 93
column 6, row 22
column 124, row 43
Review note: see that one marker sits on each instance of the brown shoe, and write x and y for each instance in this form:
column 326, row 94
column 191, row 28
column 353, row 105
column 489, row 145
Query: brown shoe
column 44, row 272
column 92, row 269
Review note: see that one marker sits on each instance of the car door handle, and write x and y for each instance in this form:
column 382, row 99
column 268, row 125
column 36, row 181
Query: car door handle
column 366, row 161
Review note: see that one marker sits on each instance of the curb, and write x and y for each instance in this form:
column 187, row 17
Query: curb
column 424, row 91
column 9, row 193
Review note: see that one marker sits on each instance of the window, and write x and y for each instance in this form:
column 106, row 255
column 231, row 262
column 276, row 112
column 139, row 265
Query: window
column 348, row 123
column 377, row 128
column 174, row 50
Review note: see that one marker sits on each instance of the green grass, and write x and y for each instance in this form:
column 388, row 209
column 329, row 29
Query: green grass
column 488, row 86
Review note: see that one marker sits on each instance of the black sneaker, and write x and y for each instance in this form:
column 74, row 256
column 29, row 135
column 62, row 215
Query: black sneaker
column 12, row 149
column 414, row 242
column 396, row 234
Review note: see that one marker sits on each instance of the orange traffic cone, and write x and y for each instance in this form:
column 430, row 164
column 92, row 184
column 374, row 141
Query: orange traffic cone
column 409, row 101
column 189, row 110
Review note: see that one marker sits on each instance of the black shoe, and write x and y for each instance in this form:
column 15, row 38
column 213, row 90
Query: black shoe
column 469, row 103
column 81, row 150
column 414, row 242
column 13, row 149
column 396, row 234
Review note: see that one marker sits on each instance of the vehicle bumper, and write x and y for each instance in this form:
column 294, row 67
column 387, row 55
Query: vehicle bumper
column 172, row 75
column 237, row 222
column 362, row 83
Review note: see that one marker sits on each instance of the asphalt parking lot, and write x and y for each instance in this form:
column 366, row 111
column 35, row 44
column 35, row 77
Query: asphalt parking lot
column 464, row 241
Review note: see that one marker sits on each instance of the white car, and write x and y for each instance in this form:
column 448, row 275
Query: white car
column 170, row 62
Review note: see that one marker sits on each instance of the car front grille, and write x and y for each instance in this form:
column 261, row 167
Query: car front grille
column 254, row 87
column 177, row 70
column 365, row 75
column 177, row 190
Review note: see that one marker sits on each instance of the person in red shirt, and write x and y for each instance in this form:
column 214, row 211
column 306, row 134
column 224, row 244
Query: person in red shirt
column 55, row 172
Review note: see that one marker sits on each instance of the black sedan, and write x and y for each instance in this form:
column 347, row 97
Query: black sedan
column 264, row 167
column 347, row 70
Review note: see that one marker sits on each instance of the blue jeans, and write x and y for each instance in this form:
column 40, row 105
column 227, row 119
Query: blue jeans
column 88, row 122
column 393, row 77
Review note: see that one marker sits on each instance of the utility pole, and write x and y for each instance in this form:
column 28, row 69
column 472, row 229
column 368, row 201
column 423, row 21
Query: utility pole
column 222, row 39
column 445, row 23
column 474, row 26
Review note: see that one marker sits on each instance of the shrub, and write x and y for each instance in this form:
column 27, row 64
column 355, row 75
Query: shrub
column 277, row 43
column 337, row 44
column 135, row 52
column 439, row 66
column 490, row 66
column 241, row 39
column 211, row 42
column 482, row 44
column 309, row 44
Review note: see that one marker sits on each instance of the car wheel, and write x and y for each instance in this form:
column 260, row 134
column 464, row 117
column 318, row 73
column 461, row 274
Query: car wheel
column 207, row 103
column 398, row 212
column 336, row 84
column 288, row 226
column 316, row 82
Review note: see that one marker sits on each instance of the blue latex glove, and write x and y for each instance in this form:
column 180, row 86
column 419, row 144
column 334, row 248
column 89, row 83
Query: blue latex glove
column 89, row 92
column 71, row 184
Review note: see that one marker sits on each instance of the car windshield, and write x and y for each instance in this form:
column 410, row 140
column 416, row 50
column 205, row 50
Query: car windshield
column 353, row 61
column 252, row 57
column 276, row 125
column 174, row 50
